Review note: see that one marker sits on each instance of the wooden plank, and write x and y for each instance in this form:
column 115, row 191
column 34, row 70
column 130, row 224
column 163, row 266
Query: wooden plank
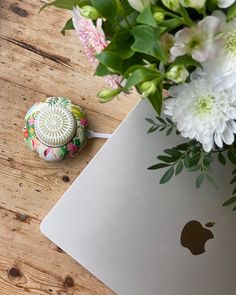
column 36, row 61
column 30, row 264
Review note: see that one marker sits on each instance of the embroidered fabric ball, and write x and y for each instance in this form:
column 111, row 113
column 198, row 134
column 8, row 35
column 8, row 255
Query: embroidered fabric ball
column 55, row 128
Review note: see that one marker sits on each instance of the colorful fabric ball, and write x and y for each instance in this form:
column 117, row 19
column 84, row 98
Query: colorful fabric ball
column 55, row 128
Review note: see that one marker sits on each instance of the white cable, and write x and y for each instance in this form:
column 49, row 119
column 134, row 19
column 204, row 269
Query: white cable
column 92, row 134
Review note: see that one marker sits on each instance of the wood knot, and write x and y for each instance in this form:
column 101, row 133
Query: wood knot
column 22, row 217
column 59, row 250
column 68, row 282
column 14, row 272
column 20, row 11
column 65, row 178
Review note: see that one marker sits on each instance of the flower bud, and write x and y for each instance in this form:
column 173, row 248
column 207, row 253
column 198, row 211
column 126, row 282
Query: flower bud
column 139, row 5
column 177, row 74
column 89, row 12
column 159, row 16
column 171, row 4
column 147, row 88
column 196, row 4
column 108, row 94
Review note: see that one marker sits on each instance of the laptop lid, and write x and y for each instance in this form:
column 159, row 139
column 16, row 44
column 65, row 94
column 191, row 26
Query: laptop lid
column 124, row 227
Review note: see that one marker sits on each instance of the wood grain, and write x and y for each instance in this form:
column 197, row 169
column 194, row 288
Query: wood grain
column 36, row 61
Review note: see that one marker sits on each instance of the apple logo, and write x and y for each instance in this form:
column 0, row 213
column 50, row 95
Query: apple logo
column 194, row 236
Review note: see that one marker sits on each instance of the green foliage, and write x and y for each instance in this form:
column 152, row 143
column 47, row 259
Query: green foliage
column 231, row 12
column 146, row 41
column 146, row 17
column 68, row 26
column 232, row 197
column 65, row 4
column 111, row 60
column 162, row 125
column 107, row 8
column 188, row 156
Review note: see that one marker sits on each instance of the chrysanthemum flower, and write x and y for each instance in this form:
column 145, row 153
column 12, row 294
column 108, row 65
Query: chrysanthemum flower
column 204, row 110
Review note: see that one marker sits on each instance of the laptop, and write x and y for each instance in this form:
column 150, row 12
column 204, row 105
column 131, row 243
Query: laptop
column 140, row 237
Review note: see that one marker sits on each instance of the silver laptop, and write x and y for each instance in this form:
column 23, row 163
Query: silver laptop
column 140, row 237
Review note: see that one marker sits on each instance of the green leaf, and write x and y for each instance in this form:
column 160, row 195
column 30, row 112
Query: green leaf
column 66, row 4
column 179, row 168
column 169, row 121
column 193, row 161
column 185, row 60
column 146, row 41
column 111, row 60
column 170, row 24
column 167, row 175
column 199, row 180
column 231, row 12
column 166, row 159
column 232, row 157
column 207, row 159
column 169, row 131
column 68, row 26
column 194, row 168
column 186, row 161
column 234, row 191
column 158, row 166
column 150, row 121
column 141, row 75
column 233, row 180
column 161, row 120
column 121, row 42
column 173, row 153
column 230, row 201
column 102, row 70
column 156, row 99
column 152, row 129
column 182, row 147
column 221, row 159
column 146, row 17
column 107, row 8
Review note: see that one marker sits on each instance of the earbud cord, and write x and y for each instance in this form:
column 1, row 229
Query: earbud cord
column 92, row 134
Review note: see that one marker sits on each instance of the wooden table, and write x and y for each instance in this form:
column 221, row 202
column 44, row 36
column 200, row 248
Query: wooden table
column 36, row 62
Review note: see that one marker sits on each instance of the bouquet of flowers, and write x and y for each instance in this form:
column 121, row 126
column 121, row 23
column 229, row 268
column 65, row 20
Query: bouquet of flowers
column 181, row 56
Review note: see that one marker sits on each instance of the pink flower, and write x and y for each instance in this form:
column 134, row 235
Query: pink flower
column 31, row 121
column 93, row 40
column 84, row 122
column 72, row 148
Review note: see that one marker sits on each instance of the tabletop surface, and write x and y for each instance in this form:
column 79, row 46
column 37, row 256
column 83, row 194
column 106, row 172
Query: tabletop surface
column 36, row 61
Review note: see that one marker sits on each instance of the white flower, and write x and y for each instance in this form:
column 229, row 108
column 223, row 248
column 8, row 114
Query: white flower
column 225, row 3
column 225, row 60
column 229, row 40
column 197, row 41
column 204, row 110
column 139, row 5
column 196, row 4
